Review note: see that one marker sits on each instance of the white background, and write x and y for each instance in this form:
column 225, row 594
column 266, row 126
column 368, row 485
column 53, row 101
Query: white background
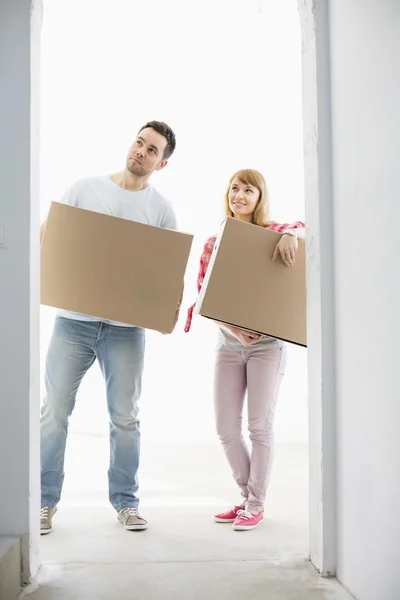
column 229, row 84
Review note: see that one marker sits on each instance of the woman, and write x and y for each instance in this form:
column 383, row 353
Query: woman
column 246, row 361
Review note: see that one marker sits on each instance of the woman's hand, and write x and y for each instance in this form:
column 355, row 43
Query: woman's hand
column 286, row 248
column 246, row 338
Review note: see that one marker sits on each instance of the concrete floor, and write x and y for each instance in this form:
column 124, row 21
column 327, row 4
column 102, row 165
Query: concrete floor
column 183, row 554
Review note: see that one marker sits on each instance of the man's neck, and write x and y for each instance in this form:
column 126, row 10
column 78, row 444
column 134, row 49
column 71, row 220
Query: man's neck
column 127, row 181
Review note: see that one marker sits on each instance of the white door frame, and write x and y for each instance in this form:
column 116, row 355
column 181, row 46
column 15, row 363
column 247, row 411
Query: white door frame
column 314, row 18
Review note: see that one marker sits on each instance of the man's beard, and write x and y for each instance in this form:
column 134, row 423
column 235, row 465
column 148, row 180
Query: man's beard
column 136, row 169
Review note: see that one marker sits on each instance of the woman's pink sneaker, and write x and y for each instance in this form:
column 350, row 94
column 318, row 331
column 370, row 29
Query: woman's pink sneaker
column 229, row 516
column 246, row 520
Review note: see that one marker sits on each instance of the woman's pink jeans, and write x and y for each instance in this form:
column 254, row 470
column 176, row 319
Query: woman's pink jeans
column 260, row 372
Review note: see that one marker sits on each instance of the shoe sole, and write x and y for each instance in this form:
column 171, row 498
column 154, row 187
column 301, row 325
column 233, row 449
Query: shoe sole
column 46, row 531
column 134, row 527
column 245, row 527
column 217, row 520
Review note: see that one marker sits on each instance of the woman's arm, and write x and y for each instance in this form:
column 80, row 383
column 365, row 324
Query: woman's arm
column 247, row 338
column 288, row 245
column 300, row 233
column 204, row 262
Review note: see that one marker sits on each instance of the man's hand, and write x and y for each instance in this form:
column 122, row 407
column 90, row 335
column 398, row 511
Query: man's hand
column 178, row 308
column 286, row 248
column 176, row 319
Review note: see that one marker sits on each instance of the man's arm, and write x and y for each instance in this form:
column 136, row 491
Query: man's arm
column 42, row 230
column 179, row 305
column 169, row 222
column 178, row 308
column 71, row 197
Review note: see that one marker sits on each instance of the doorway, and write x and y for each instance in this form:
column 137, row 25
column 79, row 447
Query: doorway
column 90, row 146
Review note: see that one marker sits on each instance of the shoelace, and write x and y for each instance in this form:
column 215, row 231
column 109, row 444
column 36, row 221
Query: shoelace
column 130, row 512
column 244, row 514
column 44, row 512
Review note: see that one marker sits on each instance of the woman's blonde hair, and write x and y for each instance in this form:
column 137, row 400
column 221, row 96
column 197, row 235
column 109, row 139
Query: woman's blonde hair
column 254, row 178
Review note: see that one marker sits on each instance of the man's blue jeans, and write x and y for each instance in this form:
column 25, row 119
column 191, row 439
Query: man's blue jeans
column 74, row 347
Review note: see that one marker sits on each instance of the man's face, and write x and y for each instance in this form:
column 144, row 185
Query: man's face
column 146, row 153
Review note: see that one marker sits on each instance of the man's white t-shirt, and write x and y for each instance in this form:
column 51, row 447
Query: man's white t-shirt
column 102, row 195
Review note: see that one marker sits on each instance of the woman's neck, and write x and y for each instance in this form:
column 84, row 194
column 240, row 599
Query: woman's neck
column 244, row 218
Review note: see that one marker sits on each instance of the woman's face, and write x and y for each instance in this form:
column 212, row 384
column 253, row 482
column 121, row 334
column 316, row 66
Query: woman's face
column 243, row 199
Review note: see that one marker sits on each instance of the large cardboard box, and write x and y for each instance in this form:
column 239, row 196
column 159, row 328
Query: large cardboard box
column 112, row 268
column 245, row 288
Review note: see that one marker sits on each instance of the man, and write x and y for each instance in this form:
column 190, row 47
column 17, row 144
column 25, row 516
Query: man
column 78, row 340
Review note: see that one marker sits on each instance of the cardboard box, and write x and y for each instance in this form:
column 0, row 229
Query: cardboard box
column 112, row 268
column 245, row 288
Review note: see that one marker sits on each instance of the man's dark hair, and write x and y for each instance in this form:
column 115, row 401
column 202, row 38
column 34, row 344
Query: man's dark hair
column 166, row 131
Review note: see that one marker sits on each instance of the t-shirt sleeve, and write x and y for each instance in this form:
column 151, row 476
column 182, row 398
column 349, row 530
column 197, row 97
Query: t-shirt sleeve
column 72, row 195
column 169, row 218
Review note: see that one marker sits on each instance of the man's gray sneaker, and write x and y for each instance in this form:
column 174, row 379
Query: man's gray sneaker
column 131, row 519
column 46, row 519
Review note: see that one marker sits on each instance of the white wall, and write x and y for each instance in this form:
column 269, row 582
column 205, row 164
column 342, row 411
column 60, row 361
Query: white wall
column 19, row 277
column 365, row 51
